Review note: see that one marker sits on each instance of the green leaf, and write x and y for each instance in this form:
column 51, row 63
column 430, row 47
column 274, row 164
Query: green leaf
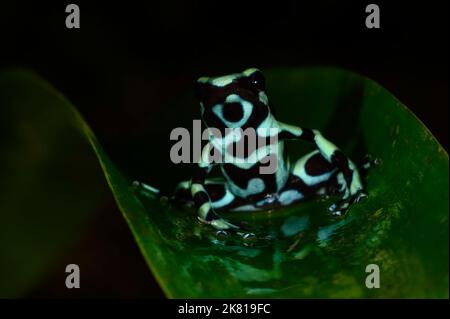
column 50, row 185
column 301, row 251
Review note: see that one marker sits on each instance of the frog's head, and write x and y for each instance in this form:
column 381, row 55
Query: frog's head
column 234, row 101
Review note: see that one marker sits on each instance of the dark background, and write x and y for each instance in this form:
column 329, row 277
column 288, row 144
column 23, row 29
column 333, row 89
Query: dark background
column 129, row 60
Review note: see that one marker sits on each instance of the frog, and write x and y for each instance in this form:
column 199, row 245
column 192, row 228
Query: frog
column 240, row 101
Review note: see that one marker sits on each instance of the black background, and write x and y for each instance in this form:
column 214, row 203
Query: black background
column 128, row 59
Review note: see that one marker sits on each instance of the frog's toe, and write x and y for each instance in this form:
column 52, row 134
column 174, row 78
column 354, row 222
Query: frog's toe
column 144, row 189
column 340, row 208
column 135, row 184
column 337, row 213
column 368, row 162
column 222, row 233
column 248, row 236
column 332, row 207
column 360, row 196
column 222, row 224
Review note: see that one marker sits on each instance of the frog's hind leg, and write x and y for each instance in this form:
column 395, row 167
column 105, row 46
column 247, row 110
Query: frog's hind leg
column 344, row 204
column 310, row 176
column 313, row 175
column 221, row 198
column 318, row 176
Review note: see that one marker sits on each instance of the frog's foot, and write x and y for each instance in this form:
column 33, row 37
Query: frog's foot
column 340, row 208
column 221, row 224
column 368, row 162
column 145, row 190
column 225, row 228
column 248, row 238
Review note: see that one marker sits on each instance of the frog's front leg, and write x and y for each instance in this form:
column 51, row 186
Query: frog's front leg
column 202, row 201
column 348, row 177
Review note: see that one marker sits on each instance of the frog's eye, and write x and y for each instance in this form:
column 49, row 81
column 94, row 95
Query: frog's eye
column 258, row 80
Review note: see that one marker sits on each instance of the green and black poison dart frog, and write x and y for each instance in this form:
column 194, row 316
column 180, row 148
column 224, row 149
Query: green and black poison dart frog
column 240, row 101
